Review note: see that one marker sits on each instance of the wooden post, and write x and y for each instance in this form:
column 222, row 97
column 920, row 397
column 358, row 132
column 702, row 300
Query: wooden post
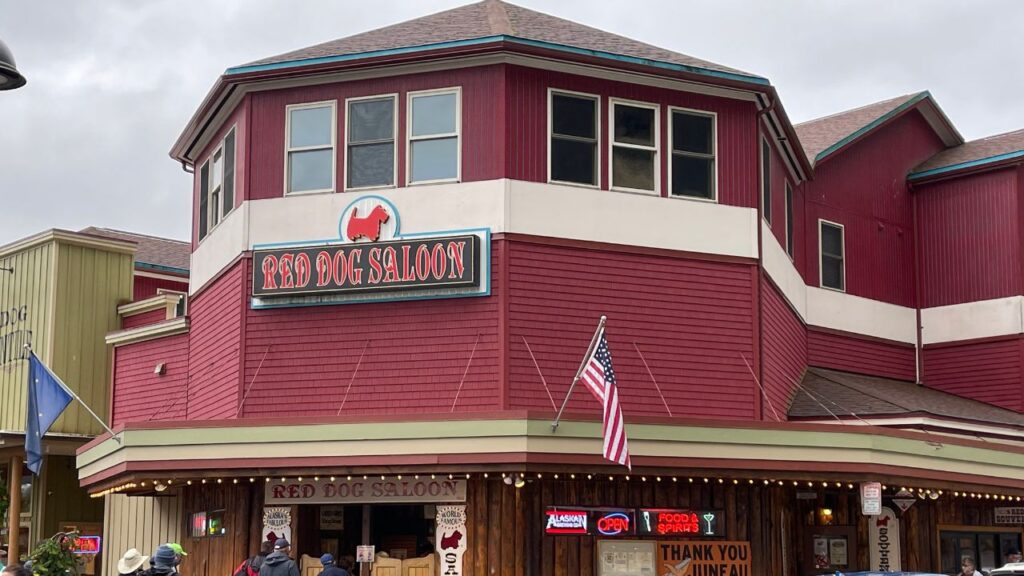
column 14, row 511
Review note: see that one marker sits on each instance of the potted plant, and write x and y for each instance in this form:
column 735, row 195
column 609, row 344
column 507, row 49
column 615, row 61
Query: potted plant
column 56, row 556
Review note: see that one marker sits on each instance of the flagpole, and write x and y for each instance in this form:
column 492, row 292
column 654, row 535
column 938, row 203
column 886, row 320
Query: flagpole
column 80, row 401
column 583, row 364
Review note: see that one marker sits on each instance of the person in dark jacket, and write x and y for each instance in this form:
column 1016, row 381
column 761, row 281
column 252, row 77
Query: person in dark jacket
column 278, row 563
column 256, row 562
column 330, row 568
column 164, row 562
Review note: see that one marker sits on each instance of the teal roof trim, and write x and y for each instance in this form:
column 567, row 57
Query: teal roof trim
column 965, row 165
column 878, row 122
column 160, row 268
column 498, row 38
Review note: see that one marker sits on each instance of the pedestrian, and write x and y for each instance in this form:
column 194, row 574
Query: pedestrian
column 278, row 563
column 164, row 562
column 178, row 551
column 1013, row 556
column 967, row 567
column 3, row 558
column 15, row 570
column 330, row 568
column 251, row 566
column 131, row 563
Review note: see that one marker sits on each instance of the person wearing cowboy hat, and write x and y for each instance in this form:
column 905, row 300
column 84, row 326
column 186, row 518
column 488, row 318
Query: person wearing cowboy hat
column 131, row 563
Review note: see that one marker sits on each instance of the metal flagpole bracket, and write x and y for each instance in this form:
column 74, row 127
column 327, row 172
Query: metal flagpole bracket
column 583, row 364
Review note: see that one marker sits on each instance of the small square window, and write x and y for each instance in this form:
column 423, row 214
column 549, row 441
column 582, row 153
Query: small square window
column 370, row 159
column 693, row 155
column 434, row 136
column 573, row 139
column 634, row 147
column 310, row 146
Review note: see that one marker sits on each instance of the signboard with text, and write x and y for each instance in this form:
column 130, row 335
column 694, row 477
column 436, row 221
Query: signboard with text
column 369, row 491
column 703, row 558
column 884, row 541
column 618, row 522
column 673, row 522
column 1010, row 515
column 871, row 498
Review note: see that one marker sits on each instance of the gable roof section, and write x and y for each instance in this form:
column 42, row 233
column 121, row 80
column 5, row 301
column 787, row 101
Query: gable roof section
column 854, row 395
column 824, row 136
column 990, row 150
column 489, row 20
column 151, row 251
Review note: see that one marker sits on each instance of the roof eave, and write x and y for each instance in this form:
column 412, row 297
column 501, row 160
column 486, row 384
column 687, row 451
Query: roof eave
column 969, row 166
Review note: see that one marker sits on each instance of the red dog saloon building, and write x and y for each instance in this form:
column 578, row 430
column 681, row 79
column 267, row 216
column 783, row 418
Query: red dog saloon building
column 403, row 241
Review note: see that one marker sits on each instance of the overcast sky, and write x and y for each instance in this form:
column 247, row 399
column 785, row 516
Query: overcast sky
column 112, row 83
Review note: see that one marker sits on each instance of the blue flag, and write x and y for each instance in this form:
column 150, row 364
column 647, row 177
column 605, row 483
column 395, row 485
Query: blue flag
column 47, row 399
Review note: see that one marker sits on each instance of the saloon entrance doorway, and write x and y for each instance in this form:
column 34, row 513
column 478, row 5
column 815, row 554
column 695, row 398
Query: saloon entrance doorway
column 399, row 530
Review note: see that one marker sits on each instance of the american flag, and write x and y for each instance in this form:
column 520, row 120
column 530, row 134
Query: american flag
column 599, row 376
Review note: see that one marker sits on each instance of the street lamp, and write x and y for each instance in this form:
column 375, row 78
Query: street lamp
column 10, row 78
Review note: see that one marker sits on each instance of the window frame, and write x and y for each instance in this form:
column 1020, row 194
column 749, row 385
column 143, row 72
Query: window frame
column 612, row 103
column 714, row 152
column 552, row 92
column 766, row 180
column 409, row 138
column 216, row 214
column 821, row 254
column 790, row 231
column 394, row 142
column 333, row 104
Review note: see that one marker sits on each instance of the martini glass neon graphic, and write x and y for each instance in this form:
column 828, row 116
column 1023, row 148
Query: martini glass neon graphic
column 708, row 519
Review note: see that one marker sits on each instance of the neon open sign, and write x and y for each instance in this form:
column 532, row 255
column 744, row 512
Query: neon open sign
column 670, row 522
column 614, row 523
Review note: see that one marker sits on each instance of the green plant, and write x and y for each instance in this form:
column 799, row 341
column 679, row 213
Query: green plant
column 55, row 556
column 3, row 499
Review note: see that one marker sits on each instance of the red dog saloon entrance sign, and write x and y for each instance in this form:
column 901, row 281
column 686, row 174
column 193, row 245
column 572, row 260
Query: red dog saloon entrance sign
column 371, row 258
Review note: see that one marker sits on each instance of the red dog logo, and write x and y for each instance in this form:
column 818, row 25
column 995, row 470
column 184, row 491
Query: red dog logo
column 451, row 542
column 884, row 521
column 367, row 226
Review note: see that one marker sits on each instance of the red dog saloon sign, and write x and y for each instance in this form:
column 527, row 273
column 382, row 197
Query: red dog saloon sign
column 371, row 257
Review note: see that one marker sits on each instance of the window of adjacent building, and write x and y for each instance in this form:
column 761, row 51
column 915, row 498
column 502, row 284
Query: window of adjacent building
column 574, row 133
column 370, row 142
column 434, row 125
column 692, row 169
column 789, row 220
column 766, row 181
column 634, row 147
column 833, row 273
column 217, row 185
column 987, row 547
column 310, row 137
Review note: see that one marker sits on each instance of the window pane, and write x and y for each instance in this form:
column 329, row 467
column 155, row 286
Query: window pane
column 310, row 170
column 831, row 240
column 433, row 114
column 832, row 272
column 229, row 172
column 573, row 116
column 371, row 120
column 633, row 168
column 434, row 159
column 692, row 133
column 310, row 127
column 204, row 193
column 371, row 165
column 573, row 161
column 692, row 176
column 634, row 125
column 218, row 170
column 789, row 220
column 766, row 181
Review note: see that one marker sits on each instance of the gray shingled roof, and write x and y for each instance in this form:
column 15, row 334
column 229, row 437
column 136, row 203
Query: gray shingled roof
column 491, row 18
column 820, row 134
column 149, row 249
column 981, row 149
column 847, row 394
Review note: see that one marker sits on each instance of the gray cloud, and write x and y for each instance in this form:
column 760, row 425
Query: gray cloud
column 112, row 83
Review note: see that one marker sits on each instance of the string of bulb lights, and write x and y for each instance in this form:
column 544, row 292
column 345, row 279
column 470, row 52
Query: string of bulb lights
column 519, row 480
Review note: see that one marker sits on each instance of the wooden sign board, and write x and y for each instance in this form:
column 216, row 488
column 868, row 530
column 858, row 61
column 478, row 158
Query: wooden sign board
column 703, row 558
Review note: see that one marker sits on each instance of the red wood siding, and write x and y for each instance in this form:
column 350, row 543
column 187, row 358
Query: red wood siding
column 145, row 287
column 144, row 319
column 416, row 355
column 691, row 320
column 860, row 355
column 990, row 371
column 863, row 187
column 969, row 229
column 215, row 346
column 481, row 142
column 527, row 125
column 240, row 121
column 784, row 355
column 141, row 395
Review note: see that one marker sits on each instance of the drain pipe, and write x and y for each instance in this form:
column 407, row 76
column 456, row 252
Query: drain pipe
column 918, row 352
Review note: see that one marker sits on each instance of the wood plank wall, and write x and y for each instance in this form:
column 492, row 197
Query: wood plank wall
column 140, row 522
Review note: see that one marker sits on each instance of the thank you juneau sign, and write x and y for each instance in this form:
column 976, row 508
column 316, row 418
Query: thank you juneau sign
column 373, row 490
column 370, row 257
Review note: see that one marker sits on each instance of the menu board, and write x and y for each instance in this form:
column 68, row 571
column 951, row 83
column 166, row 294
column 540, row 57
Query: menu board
column 625, row 558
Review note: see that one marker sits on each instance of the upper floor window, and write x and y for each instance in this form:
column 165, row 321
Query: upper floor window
column 692, row 168
column 634, row 146
column 370, row 154
column 310, row 137
column 573, row 144
column 217, row 185
column 434, row 125
column 833, row 266
column 789, row 220
column 766, row 181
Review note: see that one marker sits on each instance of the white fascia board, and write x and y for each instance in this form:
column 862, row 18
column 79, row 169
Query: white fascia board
column 981, row 319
